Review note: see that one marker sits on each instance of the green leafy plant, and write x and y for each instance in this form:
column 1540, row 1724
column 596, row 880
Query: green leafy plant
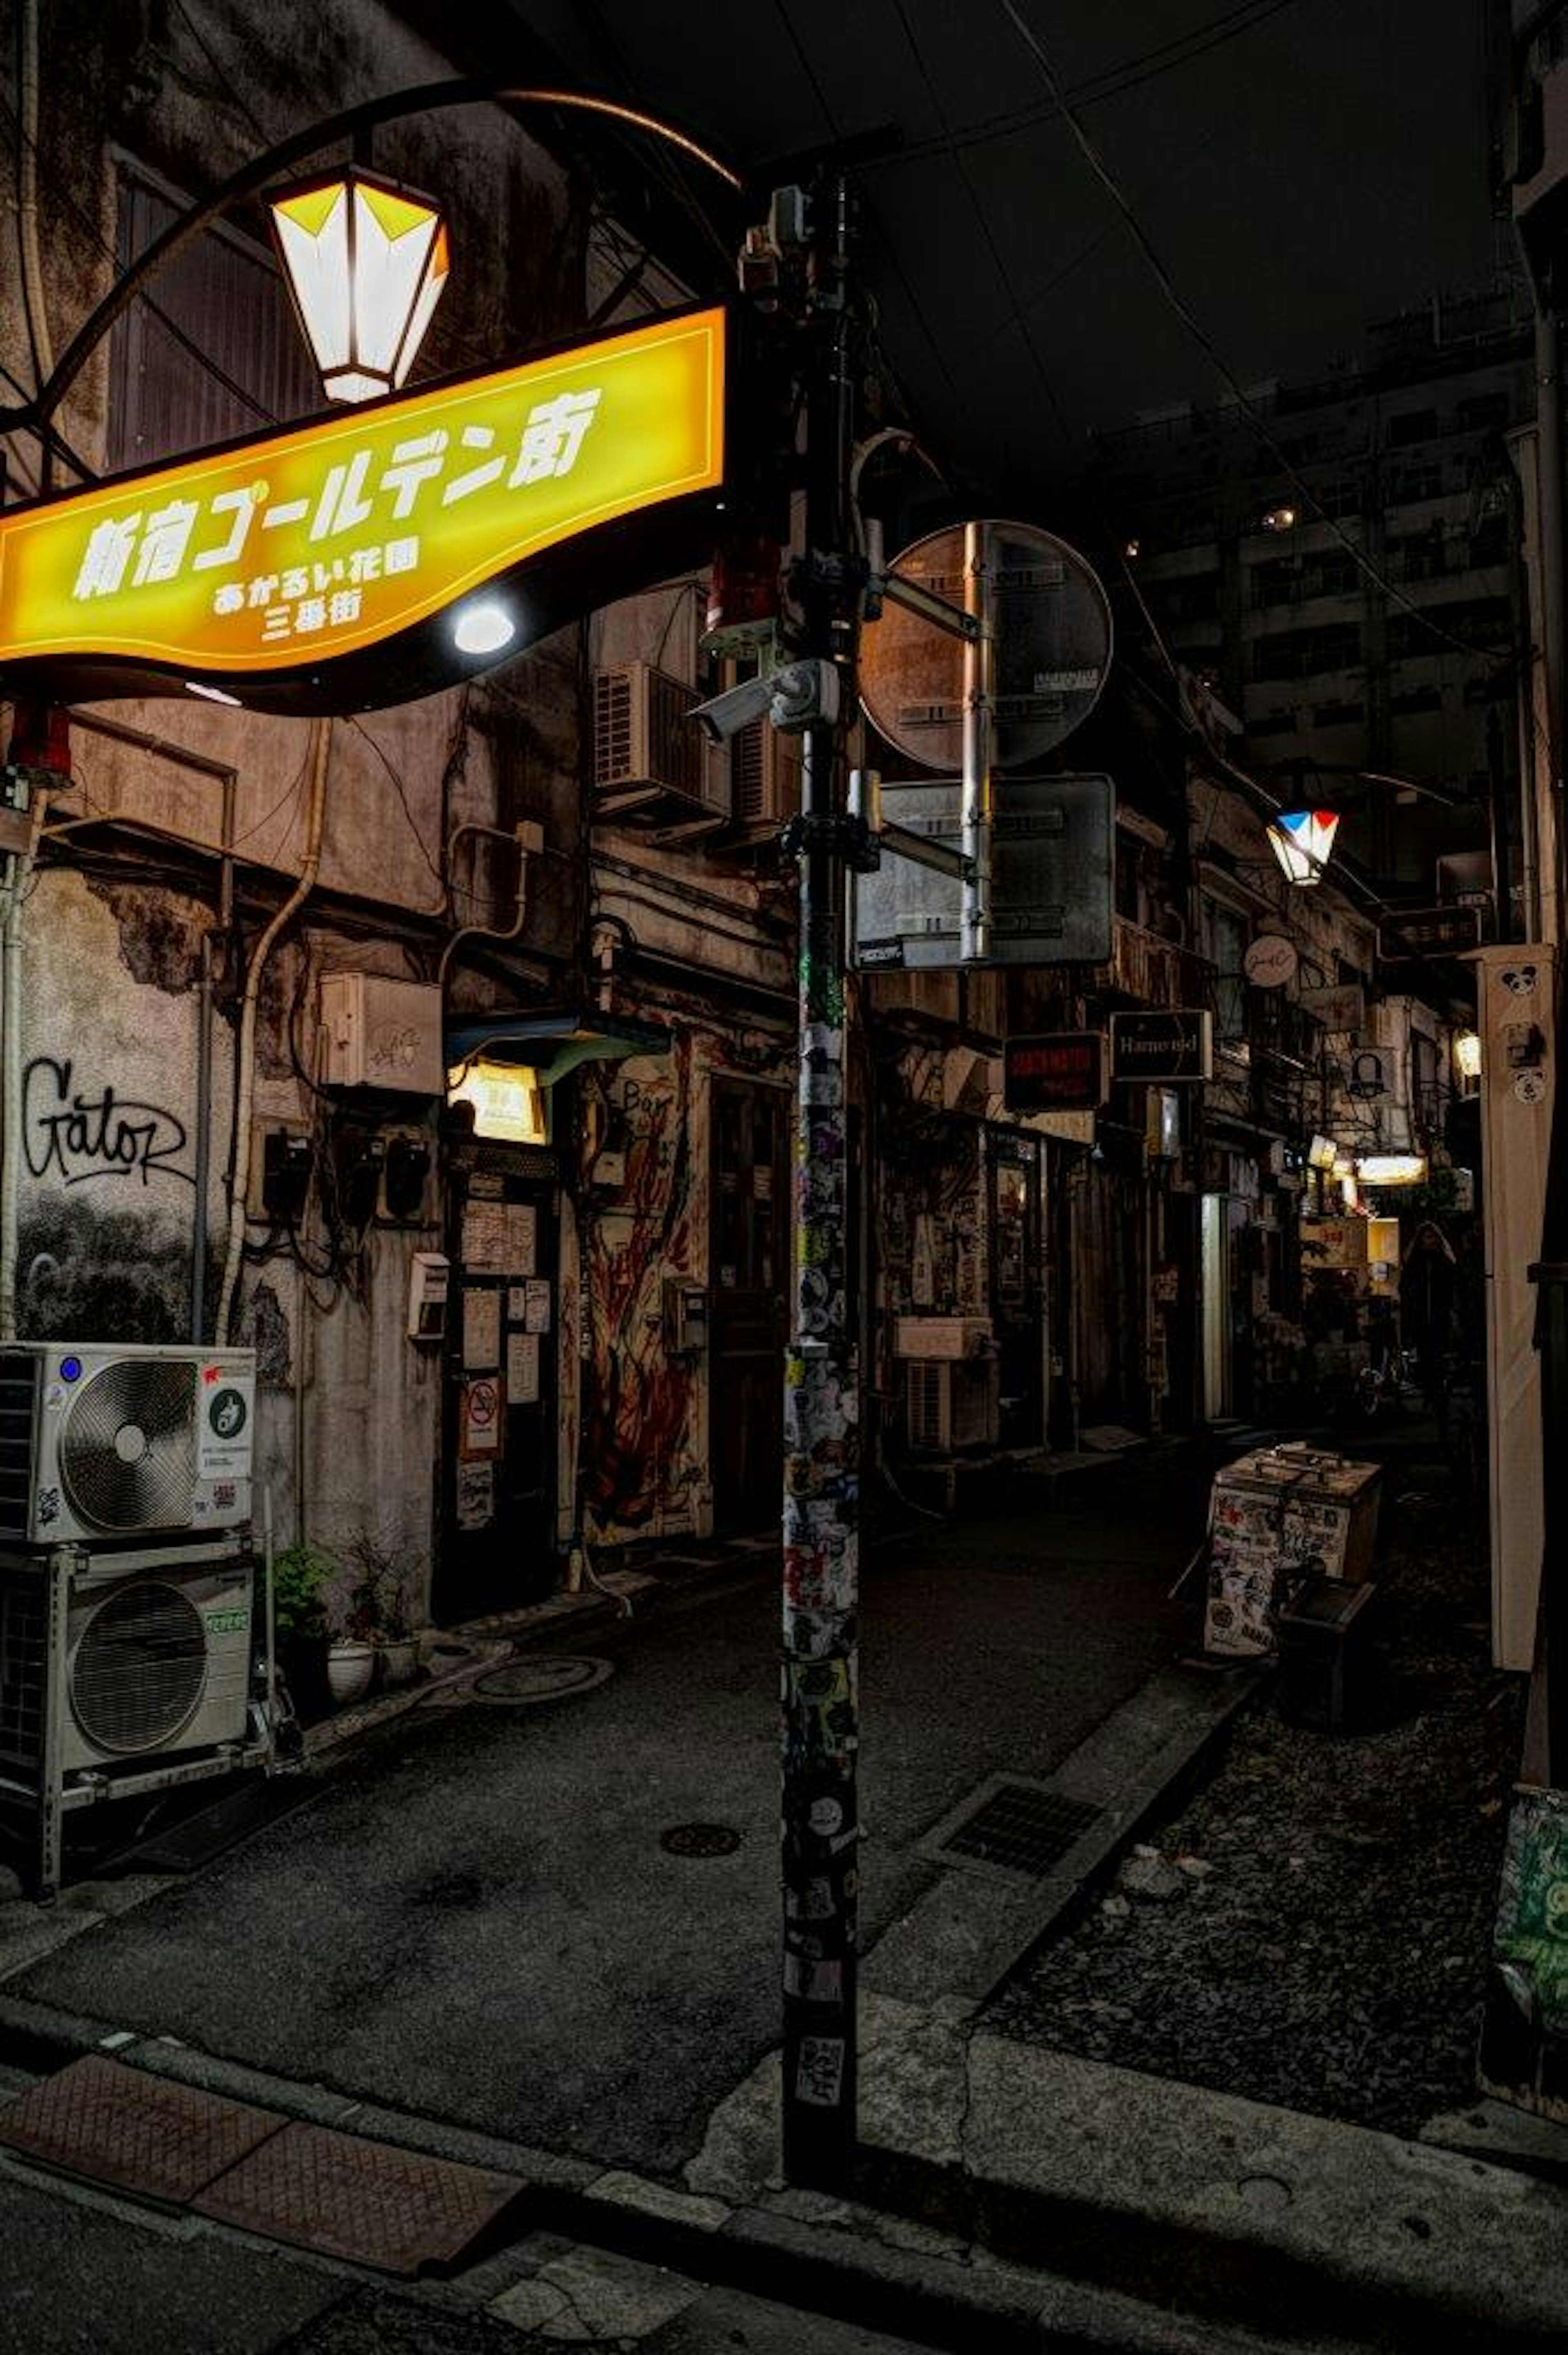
column 301, row 1574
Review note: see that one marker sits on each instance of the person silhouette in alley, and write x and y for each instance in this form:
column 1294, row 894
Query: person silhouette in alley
column 1427, row 1311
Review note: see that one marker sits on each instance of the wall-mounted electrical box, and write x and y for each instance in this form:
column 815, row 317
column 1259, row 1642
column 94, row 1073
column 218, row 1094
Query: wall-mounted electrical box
column 406, row 1179
column 429, row 1273
column 380, row 1033
column 686, row 1316
column 282, row 1160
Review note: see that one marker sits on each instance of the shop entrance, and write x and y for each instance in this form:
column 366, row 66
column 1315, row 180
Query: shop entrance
column 1017, row 1286
column 499, row 1417
column 750, row 1303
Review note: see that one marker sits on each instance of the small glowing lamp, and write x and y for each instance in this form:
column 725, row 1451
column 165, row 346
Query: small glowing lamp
column 1301, row 841
column 367, row 263
column 1391, row 1168
column 1467, row 1054
column 508, row 1102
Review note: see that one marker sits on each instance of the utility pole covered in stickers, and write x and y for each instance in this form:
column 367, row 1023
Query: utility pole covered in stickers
column 821, row 1724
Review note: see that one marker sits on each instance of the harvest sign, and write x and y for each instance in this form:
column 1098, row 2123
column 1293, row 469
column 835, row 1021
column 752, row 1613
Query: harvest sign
column 283, row 569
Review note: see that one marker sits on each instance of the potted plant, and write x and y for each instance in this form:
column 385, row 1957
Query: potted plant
column 378, row 1611
column 300, row 1573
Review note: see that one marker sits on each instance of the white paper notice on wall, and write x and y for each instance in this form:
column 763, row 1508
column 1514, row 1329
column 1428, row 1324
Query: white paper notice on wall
column 523, row 1369
column 484, row 1238
column 537, row 1304
column 475, row 1496
column 522, row 1238
column 481, row 1328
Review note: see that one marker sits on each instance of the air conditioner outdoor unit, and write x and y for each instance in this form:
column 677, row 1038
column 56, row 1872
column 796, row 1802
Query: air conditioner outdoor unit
column 156, row 1661
column 949, row 1404
column 766, row 772
column 104, row 1445
column 651, row 762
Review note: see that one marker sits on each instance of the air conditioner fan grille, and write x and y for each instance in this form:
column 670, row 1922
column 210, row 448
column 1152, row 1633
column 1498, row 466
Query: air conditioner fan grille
column 138, row 1668
column 128, row 1450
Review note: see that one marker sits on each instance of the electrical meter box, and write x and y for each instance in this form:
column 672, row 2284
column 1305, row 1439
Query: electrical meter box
column 685, row 1317
column 428, row 1275
column 380, row 1033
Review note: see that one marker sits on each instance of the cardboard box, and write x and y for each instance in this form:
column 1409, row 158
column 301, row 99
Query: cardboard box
column 1276, row 1519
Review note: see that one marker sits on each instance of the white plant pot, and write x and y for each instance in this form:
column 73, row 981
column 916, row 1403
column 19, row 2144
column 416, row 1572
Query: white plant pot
column 350, row 1668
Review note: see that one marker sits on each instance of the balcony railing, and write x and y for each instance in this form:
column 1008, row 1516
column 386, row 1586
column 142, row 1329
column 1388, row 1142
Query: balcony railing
column 1156, row 971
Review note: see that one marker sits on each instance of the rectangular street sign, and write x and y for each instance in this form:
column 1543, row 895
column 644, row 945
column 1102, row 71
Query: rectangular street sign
column 1165, row 1044
column 1051, row 877
column 1428, row 931
column 1062, row 1070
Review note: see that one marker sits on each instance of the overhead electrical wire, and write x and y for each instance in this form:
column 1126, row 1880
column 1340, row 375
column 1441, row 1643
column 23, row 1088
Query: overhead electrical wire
column 987, row 233
column 1131, row 73
column 1199, row 333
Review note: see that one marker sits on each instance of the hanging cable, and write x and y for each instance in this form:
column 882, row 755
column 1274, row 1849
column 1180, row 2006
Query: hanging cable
column 244, row 1051
column 1216, row 359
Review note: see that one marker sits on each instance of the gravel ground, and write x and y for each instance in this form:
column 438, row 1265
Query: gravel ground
column 1312, row 1927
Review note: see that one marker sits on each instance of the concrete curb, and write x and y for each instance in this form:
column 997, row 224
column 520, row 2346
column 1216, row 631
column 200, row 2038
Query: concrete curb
column 833, row 2257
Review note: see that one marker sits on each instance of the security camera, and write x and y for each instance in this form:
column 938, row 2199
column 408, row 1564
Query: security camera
column 724, row 716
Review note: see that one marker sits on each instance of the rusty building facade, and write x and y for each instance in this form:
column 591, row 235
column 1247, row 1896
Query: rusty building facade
column 547, row 867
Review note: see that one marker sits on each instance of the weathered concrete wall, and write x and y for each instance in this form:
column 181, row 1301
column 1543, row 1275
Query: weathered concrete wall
column 108, row 1123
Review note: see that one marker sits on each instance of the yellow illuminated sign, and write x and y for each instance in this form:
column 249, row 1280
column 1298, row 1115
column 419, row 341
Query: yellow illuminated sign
column 292, row 550
column 508, row 1102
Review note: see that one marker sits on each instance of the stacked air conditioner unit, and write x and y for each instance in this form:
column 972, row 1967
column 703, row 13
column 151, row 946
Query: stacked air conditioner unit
column 127, row 1640
column 653, row 765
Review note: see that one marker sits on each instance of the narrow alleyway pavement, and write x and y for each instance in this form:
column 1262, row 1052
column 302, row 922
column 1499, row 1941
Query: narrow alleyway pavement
column 479, row 1940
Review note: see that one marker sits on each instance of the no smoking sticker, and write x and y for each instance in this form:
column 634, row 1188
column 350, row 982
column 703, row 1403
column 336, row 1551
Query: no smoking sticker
column 481, row 1406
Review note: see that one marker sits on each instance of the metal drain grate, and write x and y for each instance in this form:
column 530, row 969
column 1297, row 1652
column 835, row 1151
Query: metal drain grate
column 700, row 1839
column 147, row 2135
column 1019, row 1828
column 372, row 2203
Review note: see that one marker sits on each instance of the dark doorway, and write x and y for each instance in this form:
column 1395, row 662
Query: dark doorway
column 750, row 1304
column 1016, row 1299
column 499, row 1417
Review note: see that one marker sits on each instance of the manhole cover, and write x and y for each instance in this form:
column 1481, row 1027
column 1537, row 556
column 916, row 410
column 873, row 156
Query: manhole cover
column 699, row 1839
column 1020, row 1828
column 541, row 1677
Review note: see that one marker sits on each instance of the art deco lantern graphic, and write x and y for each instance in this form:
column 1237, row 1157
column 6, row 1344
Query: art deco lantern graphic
column 367, row 263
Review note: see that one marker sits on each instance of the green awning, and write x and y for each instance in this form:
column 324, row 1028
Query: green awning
column 553, row 1043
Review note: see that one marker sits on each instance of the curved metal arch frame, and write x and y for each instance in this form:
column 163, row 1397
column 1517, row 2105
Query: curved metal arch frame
column 392, row 106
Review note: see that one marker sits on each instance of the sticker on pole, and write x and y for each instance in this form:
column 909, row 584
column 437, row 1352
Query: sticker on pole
column 481, row 1430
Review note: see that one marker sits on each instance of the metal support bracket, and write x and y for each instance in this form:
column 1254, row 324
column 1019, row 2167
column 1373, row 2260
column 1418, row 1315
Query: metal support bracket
column 841, row 834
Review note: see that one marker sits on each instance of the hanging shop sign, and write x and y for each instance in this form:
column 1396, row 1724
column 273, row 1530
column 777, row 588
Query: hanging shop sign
column 1428, row 931
column 1342, row 1008
column 1062, row 1070
column 1171, row 1043
column 1270, row 960
column 382, row 553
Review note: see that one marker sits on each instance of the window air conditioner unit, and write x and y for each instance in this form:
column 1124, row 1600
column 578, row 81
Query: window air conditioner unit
column 766, row 770
column 101, row 1445
column 154, row 1662
column 950, row 1404
column 941, row 1337
column 651, row 765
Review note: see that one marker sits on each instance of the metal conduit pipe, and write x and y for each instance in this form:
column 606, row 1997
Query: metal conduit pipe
column 245, row 1050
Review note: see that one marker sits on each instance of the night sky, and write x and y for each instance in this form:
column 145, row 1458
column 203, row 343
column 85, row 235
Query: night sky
column 1302, row 168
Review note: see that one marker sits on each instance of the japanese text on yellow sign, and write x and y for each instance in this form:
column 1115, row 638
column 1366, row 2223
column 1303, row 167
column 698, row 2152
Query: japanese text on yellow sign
column 324, row 541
